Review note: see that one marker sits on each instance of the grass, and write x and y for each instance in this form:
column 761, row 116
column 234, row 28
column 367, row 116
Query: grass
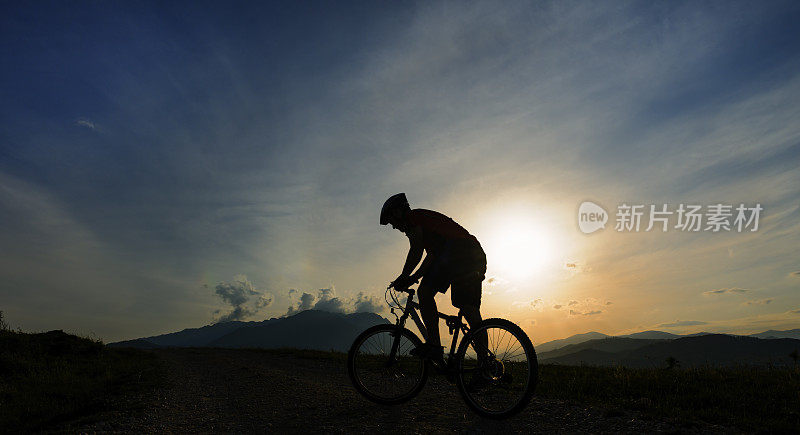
column 53, row 377
column 748, row 398
column 753, row 399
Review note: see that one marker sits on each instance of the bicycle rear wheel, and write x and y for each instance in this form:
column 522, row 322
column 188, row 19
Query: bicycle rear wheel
column 497, row 379
column 380, row 378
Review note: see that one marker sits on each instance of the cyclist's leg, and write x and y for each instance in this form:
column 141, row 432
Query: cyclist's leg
column 436, row 279
column 472, row 314
column 430, row 314
column 466, row 296
column 471, row 289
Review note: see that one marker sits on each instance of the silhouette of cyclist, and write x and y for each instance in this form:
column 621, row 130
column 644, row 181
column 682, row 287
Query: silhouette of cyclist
column 454, row 258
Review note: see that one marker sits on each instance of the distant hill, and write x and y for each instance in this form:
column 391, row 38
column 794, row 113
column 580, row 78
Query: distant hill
column 653, row 335
column 711, row 349
column 792, row 333
column 591, row 357
column 322, row 330
column 196, row 337
column 607, row 345
column 574, row 339
column 139, row 343
column 311, row 329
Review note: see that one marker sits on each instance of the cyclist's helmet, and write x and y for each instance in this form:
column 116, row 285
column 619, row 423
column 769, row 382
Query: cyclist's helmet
column 394, row 207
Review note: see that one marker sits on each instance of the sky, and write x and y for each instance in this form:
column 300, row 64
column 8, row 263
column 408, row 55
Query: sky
column 166, row 165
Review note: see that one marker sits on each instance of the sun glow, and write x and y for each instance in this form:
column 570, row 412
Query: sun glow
column 518, row 248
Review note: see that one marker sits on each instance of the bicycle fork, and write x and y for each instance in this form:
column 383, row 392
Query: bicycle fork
column 398, row 333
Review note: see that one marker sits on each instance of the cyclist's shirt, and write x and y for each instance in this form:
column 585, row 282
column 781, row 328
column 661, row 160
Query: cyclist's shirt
column 437, row 229
column 458, row 258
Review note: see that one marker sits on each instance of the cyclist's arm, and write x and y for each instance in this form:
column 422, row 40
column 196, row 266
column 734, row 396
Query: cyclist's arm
column 415, row 251
column 423, row 267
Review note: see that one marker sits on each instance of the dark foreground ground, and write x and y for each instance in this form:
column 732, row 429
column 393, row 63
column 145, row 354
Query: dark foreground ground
column 55, row 382
column 217, row 390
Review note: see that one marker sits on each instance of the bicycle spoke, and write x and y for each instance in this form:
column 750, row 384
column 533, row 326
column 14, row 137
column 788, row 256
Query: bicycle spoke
column 381, row 377
column 503, row 375
column 516, row 347
column 517, row 354
column 499, row 343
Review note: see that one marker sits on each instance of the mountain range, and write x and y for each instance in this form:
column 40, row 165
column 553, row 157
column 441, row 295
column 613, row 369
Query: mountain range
column 310, row 329
column 653, row 348
column 587, row 336
column 322, row 330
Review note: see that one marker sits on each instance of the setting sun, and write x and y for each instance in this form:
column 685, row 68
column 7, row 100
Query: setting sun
column 518, row 247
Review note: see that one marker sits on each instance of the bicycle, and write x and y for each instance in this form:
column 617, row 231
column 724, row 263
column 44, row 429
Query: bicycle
column 496, row 381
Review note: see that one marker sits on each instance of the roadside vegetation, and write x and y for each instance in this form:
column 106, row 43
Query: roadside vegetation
column 748, row 398
column 53, row 377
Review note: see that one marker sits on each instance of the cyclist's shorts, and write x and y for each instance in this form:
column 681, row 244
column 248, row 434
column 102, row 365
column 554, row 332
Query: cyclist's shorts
column 461, row 266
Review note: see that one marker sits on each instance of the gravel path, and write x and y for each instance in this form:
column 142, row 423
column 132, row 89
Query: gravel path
column 244, row 391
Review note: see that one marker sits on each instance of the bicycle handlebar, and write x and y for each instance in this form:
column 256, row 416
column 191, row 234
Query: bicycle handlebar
column 400, row 289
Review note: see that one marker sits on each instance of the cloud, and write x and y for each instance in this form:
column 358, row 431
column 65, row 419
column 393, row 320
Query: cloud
column 725, row 291
column 263, row 301
column 588, row 313
column 682, row 323
column 585, row 307
column 326, row 300
column 496, row 281
column 238, row 313
column 83, row 122
column 758, row 302
column 535, row 304
column 367, row 304
column 306, row 303
column 327, row 293
column 330, row 304
column 244, row 298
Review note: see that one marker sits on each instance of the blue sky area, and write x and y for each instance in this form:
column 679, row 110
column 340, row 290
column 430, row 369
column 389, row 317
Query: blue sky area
column 159, row 158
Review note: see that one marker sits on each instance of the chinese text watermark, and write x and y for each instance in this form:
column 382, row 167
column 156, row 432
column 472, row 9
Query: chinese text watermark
column 664, row 217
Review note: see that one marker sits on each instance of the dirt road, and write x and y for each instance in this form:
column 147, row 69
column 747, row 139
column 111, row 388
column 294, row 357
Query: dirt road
column 243, row 391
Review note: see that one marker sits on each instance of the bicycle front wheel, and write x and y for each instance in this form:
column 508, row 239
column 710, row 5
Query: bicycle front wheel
column 497, row 369
column 381, row 375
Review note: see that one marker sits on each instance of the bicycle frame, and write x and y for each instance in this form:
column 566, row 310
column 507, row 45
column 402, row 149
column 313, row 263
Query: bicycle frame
column 389, row 371
column 454, row 324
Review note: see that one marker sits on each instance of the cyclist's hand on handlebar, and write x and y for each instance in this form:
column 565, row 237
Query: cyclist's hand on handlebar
column 403, row 282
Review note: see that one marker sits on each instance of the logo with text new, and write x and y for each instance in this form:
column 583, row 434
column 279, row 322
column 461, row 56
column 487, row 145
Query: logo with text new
column 591, row 217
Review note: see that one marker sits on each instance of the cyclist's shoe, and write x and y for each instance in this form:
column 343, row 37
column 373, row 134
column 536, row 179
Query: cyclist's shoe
column 427, row 351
